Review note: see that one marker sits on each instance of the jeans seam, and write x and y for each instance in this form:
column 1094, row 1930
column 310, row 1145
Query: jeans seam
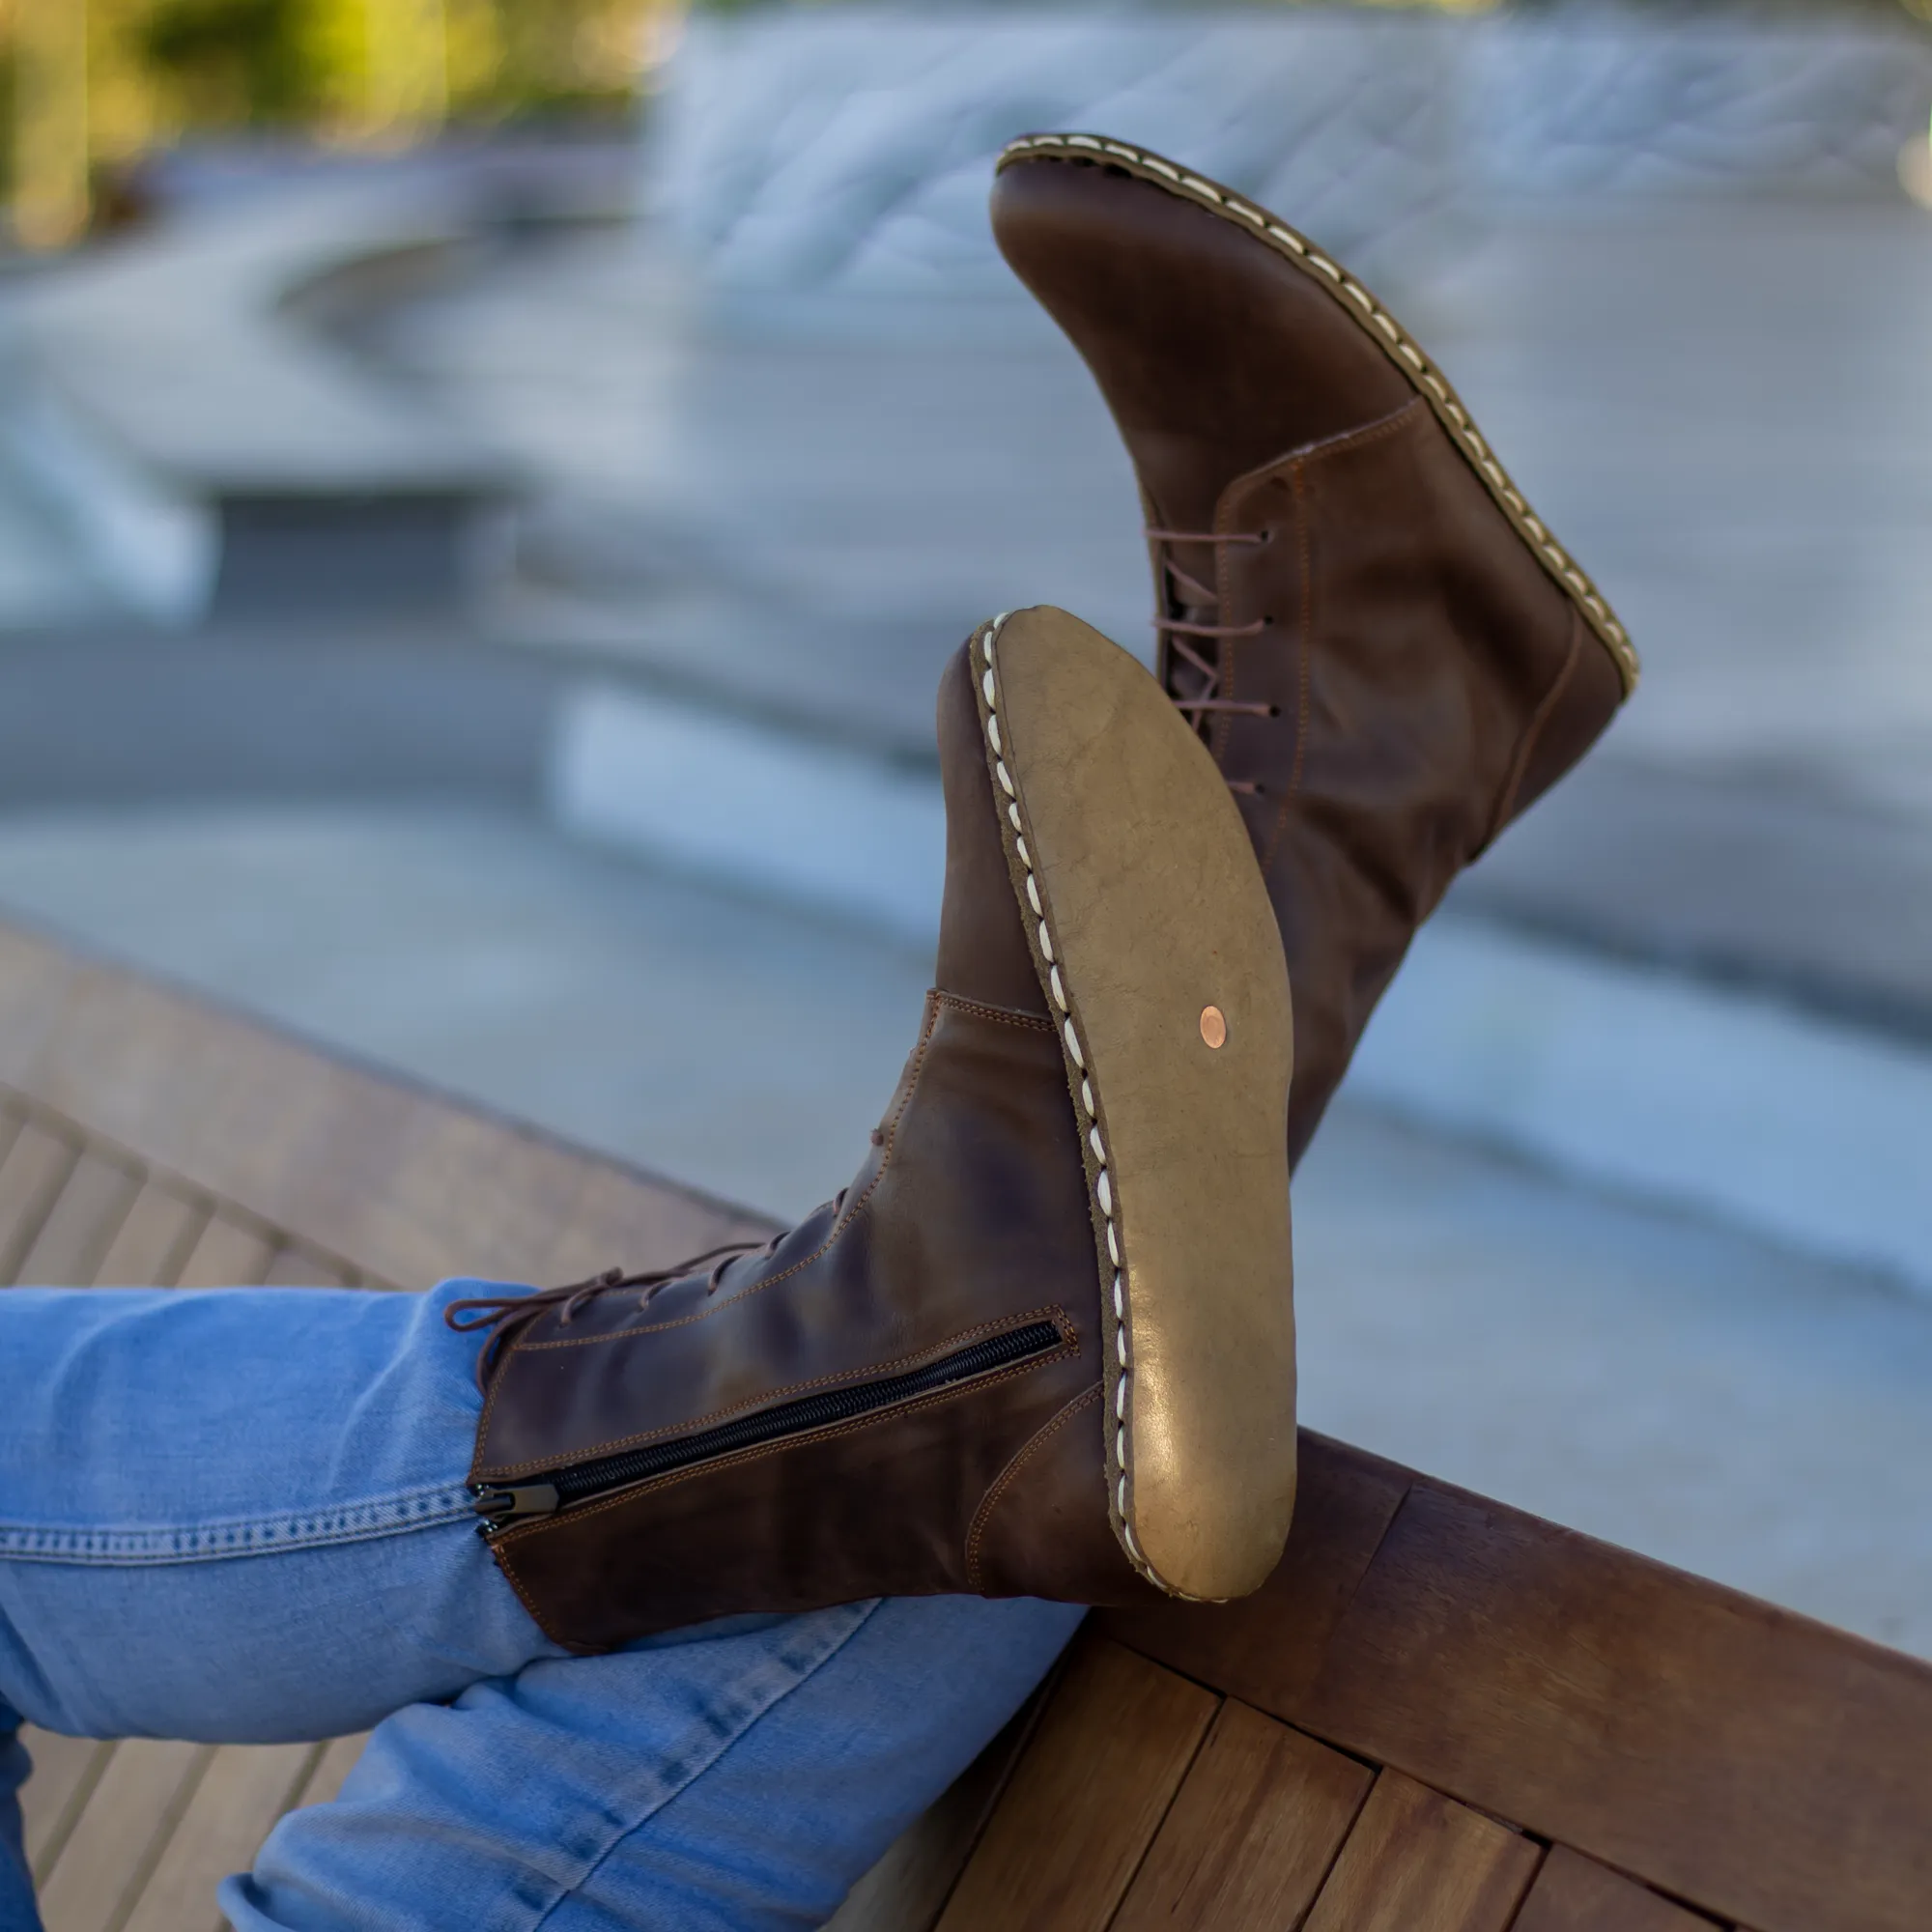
column 724, row 1745
column 222, row 1539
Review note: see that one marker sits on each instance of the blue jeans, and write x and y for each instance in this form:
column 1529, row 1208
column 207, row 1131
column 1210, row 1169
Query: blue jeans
column 241, row 1516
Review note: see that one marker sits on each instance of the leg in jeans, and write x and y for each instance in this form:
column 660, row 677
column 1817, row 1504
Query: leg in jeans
column 241, row 1516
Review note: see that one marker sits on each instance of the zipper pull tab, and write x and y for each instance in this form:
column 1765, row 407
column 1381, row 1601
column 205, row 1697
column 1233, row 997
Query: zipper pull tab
column 501, row 1505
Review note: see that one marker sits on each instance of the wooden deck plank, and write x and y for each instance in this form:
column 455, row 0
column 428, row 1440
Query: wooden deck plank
column 1417, row 1862
column 35, row 983
column 1573, row 1893
column 229, row 1254
column 907, row 1890
column 1111, row 1750
column 244, row 1789
column 123, row 1829
column 411, row 1186
column 1267, row 1648
column 82, row 1223
column 1756, row 1764
column 339, row 1757
column 300, row 1268
column 1252, row 1833
column 64, row 1776
column 31, row 1178
column 153, row 1241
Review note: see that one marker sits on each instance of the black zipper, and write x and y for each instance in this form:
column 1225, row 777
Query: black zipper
column 502, row 1505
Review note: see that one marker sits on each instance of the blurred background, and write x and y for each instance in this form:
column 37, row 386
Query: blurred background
column 487, row 487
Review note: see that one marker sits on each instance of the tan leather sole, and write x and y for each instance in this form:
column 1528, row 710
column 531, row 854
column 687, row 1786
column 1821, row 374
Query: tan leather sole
column 1374, row 319
column 1156, row 943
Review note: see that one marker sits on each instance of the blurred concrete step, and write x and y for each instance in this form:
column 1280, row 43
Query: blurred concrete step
column 213, row 453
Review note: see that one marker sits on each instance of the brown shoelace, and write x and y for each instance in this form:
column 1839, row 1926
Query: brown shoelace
column 1175, row 632
column 500, row 1314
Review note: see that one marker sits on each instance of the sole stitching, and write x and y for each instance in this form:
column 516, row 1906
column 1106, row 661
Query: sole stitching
column 1102, row 1185
column 1402, row 349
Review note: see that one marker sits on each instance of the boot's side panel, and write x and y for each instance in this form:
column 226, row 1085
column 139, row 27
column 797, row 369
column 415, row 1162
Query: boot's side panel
column 1157, row 944
column 1399, row 577
column 969, row 1222
column 1064, row 239
column 1162, row 297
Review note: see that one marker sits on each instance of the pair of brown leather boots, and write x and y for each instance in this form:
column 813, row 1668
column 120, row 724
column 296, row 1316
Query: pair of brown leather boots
column 1044, row 1344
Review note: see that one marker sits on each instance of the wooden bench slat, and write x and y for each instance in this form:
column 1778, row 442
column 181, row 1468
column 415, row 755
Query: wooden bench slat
column 1731, row 1753
column 229, row 1254
column 1269, row 1648
column 1113, row 1745
column 339, row 1757
column 1252, row 1833
column 908, row 1888
column 244, row 1789
column 101, row 1869
column 409, row 1185
column 82, row 1223
column 153, row 1241
column 64, row 1773
column 1573, row 1893
column 31, row 1178
column 1764, row 1768
column 297, row 1266
column 1418, row 1861
column 35, row 983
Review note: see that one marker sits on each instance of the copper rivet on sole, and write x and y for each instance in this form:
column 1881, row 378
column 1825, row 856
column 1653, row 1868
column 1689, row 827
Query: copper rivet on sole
column 1213, row 1026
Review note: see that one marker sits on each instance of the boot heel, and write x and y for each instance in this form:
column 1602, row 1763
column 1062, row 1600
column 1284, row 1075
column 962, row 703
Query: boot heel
column 1156, row 943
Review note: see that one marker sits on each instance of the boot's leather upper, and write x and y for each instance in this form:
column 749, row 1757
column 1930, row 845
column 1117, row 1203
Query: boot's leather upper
column 969, row 1222
column 1353, row 608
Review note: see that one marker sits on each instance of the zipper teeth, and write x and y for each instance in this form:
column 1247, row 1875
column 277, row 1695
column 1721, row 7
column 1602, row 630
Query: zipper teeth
column 798, row 1418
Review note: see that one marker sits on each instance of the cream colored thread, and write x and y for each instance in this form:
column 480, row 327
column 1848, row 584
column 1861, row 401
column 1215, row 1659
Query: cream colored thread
column 1610, row 627
column 1102, row 1186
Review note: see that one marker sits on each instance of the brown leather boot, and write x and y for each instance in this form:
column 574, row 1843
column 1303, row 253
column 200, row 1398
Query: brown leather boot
column 1056, row 1298
column 1388, row 654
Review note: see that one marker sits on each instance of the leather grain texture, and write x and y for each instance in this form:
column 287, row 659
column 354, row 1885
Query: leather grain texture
column 971, row 1220
column 1360, row 619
